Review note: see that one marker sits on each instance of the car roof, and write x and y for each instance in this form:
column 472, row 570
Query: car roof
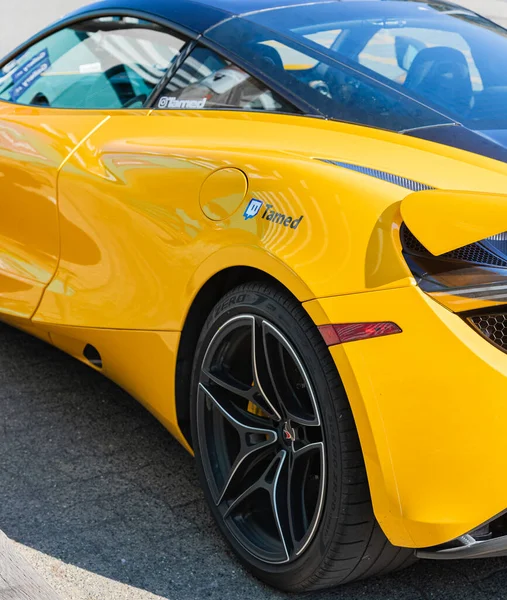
column 199, row 15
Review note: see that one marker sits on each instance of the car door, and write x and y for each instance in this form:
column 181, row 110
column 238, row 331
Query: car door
column 52, row 96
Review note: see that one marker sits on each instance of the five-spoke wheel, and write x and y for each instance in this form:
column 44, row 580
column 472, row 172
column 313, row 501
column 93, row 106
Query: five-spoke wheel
column 260, row 426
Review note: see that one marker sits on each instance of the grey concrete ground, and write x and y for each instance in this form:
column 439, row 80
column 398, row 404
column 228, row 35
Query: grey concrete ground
column 100, row 499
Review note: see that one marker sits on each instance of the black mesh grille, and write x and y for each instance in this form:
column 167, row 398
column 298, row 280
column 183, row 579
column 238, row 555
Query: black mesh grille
column 493, row 327
column 411, row 243
column 475, row 253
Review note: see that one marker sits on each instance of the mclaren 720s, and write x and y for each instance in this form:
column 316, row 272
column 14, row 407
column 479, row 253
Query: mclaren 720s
column 280, row 225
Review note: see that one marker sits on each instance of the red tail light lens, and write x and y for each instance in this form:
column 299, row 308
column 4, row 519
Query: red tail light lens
column 350, row 332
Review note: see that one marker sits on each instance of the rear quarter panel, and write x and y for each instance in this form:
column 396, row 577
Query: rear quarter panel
column 145, row 246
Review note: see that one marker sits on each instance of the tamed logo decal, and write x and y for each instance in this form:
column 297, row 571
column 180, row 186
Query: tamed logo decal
column 254, row 206
column 172, row 102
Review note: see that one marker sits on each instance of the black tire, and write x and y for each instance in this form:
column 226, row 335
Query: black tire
column 334, row 537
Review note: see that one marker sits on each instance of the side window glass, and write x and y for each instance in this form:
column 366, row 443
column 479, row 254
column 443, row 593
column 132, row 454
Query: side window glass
column 391, row 52
column 335, row 89
column 207, row 81
column 105, row 63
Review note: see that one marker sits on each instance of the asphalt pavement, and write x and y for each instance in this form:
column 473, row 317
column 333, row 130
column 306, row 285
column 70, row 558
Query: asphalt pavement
column 106, row 505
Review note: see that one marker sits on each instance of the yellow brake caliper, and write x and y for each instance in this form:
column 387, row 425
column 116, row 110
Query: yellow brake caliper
column 256, row 410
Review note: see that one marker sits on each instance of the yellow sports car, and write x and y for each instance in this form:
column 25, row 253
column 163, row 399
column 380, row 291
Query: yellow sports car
column 280, row 225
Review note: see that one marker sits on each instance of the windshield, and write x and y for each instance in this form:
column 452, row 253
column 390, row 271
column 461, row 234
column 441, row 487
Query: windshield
column 396, row 65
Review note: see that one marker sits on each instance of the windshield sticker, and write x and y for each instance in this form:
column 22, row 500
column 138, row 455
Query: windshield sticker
column 11, row 66
column 95, row 67
column 252, row 208
column 27, row 67
column 28, row 74
column 171, row 102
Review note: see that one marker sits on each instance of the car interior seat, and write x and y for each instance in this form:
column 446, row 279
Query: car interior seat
column 441, row 75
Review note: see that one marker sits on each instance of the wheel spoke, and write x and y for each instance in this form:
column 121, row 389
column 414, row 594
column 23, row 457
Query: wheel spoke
column 260, row 370
column 241, row 420
column 235, row 387
column 281, row 499
column 298, row 509
column 270, row 482
column 279, row 491
column 296, row 397
column 260, row 484
column 252, row 440
column 250, row 394
column 304, row 448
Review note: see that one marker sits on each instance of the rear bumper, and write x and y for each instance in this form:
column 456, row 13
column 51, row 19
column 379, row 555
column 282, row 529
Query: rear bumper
column 430, row 405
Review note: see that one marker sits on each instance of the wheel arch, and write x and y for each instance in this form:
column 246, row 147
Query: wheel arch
column 207, row 295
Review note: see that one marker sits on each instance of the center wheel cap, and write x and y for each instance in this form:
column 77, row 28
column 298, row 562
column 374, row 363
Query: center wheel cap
column 288, row 433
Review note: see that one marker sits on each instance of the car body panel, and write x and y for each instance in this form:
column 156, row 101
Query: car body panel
column 142, row 362
column 145, row 175
column 153, row 195
column 431, row 215
column 434, row 456
column 196, row 17
column 34, row 142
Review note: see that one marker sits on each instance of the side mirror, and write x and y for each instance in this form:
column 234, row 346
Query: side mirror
column 406, row 49
column 445, row 220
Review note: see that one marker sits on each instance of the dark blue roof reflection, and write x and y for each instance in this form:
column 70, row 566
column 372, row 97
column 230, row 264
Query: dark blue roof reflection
column 195, row 15
column 200, row 15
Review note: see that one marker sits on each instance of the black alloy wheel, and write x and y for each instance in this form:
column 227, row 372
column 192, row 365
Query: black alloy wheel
column 259, row 422
column 277, row 449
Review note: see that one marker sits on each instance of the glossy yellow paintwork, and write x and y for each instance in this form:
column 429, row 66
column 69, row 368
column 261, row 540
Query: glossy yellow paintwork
column 222, row 193
column 461, row 303
column 431, row 412
column 151, row 206
column 33, row 145
column 444, row 220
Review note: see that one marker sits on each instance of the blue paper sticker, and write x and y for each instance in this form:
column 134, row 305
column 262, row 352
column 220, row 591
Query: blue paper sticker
column 29, row 72
column 27, row 66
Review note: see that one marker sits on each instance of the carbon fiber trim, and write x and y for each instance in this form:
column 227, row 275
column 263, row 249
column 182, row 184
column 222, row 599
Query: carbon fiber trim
column 409, row 184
